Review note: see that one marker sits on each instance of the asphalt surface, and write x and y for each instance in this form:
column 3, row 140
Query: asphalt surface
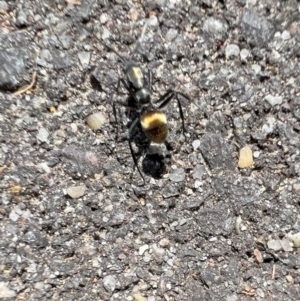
column 218, row 216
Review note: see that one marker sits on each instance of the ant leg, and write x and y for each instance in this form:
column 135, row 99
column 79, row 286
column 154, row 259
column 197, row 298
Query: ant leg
column 116, row 119
column 132, row 128
column 135, row 161
column 125, row 105
column 121, row 80
column 118, row 86
column 132, row 94
column 181, row 114
column 166, row 98
column 180, row 107
column 114, row 107
column 183, row 95
column 163, row 97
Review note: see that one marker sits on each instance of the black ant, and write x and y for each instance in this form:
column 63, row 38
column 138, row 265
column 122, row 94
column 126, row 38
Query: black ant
column 152, row 120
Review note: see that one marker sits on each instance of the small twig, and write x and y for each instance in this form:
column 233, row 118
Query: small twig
column 248, row 290
column 274, row 271
column 2, row 168
column 3, row 12
column 27, row 87
column 74, row 2
column 252, row 293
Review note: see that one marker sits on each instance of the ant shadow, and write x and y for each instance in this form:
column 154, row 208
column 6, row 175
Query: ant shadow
column 154, row 165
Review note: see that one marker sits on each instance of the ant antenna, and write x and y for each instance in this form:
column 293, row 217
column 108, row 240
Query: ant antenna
column 135, row 161
column 138, row 43
column 114, row 51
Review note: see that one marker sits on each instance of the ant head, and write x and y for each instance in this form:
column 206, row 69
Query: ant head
column 135, row 75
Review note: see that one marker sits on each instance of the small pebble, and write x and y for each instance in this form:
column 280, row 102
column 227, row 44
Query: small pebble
column 214, row 26
column 260, row 292
column 269, row 126
column 96, row 121
column 198, row 171
column 41, row 62
column 245, row 158
column 122, row 256
column 243, row 228
column 15, row 189
column 274, row 245
column 6, row 292
column 260, row 240
column 244, row 54
column 21, row 19
column 274, row 56
column 232, row 50
column 143, row 249
column 109, row 283
column 251, row 3
column 287, row 246
column 76, row 192
column 84, row 58
column 157, row 251
column 296, row 186
column 295, row 238
column 290, row 279
column 103, row 18
column 39, row 285
column 273, row 100
column 164, row 242
column 152, row 21
column 197, row 184
column 258, row 256
column 138, row 297
column 232, row 298
column 69, row 209
column 177, row 175
column 171, row 34
column 238, row 225
column 256, row 154
column 42, row 135
column 45, row 55
column 256, row 68
column 106, row 181
column 134, row 14
column 285, row 35
column 13, row 216
column 3, row 6
column 196, row 144
column 45, row 167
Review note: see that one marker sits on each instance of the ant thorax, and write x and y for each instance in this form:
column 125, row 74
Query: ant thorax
column 143, row 96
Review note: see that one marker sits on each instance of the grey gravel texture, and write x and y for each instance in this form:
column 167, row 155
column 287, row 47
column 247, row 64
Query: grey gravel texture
column 76, row 223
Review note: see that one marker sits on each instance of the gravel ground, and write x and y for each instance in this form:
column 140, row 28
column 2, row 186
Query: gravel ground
column 218, row 218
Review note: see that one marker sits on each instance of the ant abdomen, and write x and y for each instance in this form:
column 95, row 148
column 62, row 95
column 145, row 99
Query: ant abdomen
column 154, row 125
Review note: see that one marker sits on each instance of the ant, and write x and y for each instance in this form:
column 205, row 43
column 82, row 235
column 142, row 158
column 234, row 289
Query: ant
column 152, row 120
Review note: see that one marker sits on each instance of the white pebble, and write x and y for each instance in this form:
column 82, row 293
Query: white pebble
column 42, row 135
column 143, row 249
column 76, row 192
